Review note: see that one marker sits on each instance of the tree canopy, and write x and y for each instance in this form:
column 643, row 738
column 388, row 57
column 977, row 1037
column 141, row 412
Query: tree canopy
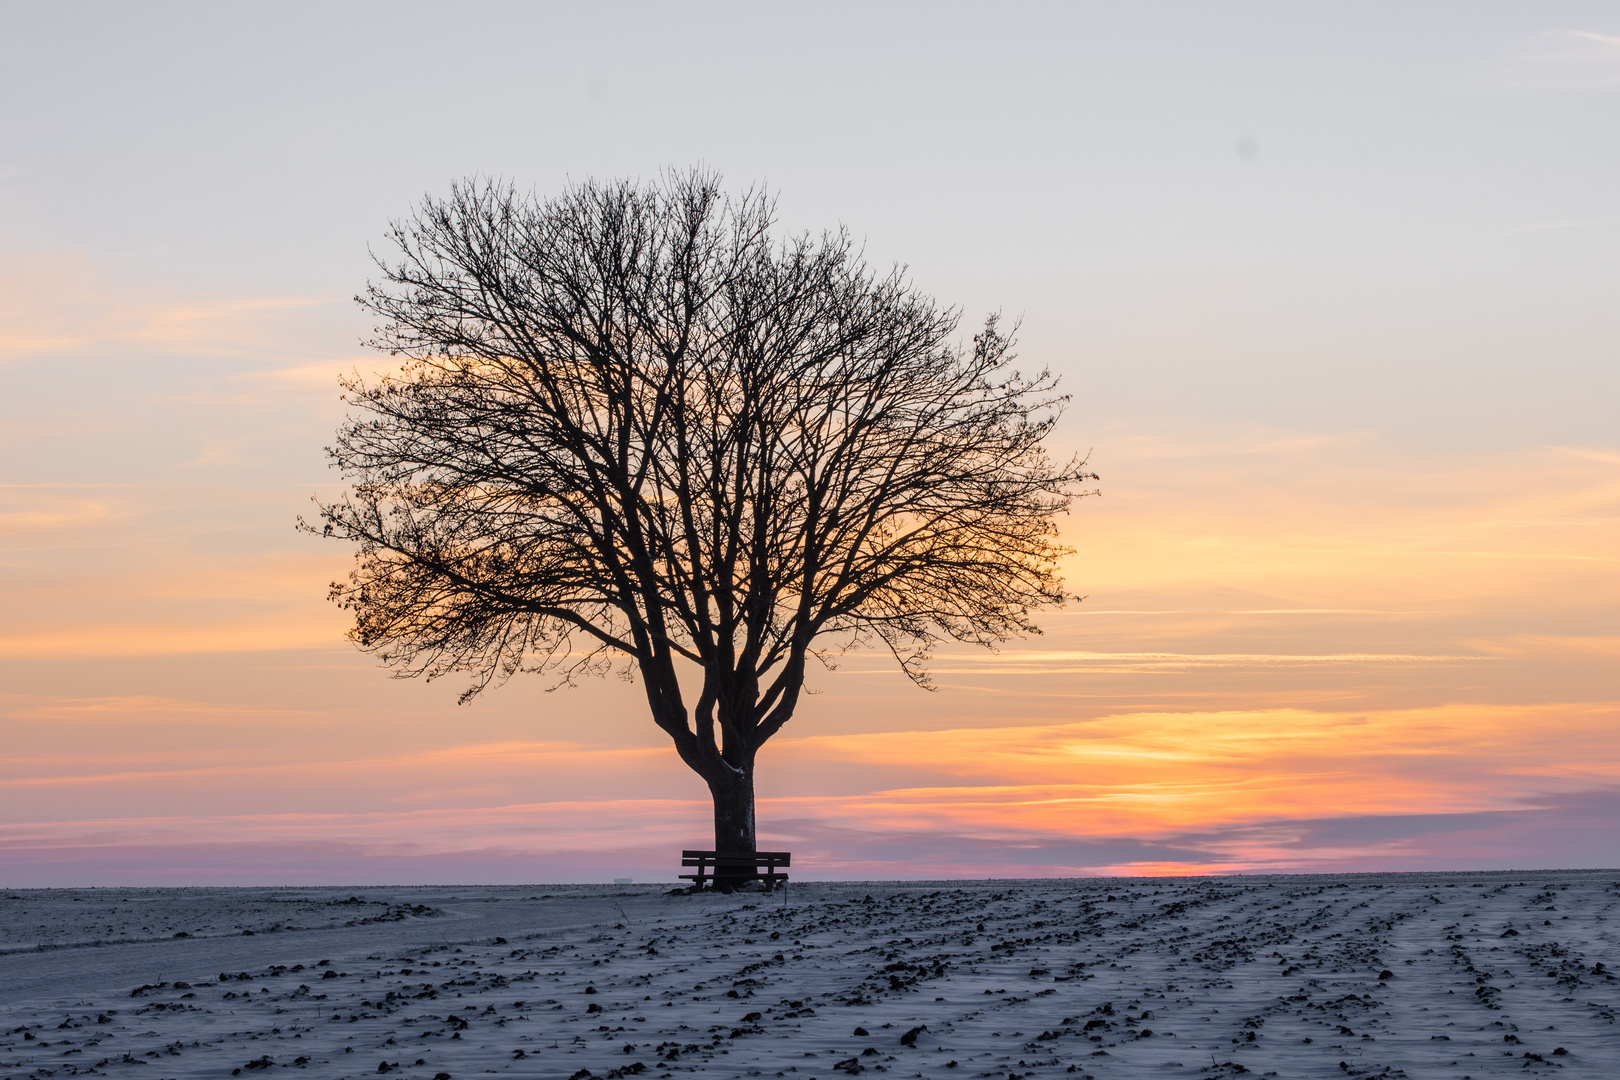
column 633, row 424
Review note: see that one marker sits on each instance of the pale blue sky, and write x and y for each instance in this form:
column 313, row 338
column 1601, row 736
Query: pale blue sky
column 1423, row 245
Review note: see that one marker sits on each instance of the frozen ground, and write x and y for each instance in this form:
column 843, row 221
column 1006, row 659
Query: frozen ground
column 1489, row 975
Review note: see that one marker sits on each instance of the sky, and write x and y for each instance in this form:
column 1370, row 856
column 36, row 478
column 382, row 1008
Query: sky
column 1333, row 289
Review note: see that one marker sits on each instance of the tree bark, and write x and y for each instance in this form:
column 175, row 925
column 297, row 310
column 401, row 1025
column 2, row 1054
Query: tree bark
column 733, row 793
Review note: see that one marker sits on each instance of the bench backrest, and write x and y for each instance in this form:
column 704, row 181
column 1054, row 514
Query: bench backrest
column 770, row 859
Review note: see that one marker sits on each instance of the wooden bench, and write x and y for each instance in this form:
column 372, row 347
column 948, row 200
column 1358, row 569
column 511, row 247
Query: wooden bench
column 733, row 867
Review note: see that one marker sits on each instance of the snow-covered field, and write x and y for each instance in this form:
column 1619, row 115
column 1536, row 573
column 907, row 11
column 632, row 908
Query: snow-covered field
column 1420, row 975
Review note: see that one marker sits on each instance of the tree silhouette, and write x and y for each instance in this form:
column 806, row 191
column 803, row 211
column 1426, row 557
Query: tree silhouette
column 632, row 425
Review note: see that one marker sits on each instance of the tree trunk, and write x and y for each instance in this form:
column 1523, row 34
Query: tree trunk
column 733, row 819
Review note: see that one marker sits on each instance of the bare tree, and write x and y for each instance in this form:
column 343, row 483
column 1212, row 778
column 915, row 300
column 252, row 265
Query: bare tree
column 631, row 424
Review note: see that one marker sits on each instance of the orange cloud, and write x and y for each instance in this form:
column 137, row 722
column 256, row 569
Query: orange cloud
column 1248, row 789
column 53, row 303
column 1152, row 774
column 1546, row 532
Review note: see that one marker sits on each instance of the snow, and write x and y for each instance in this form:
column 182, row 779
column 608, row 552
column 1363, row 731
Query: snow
column 1490, row 975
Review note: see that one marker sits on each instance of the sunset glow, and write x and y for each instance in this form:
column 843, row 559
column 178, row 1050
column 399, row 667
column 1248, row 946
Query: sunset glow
column 1349, row 595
